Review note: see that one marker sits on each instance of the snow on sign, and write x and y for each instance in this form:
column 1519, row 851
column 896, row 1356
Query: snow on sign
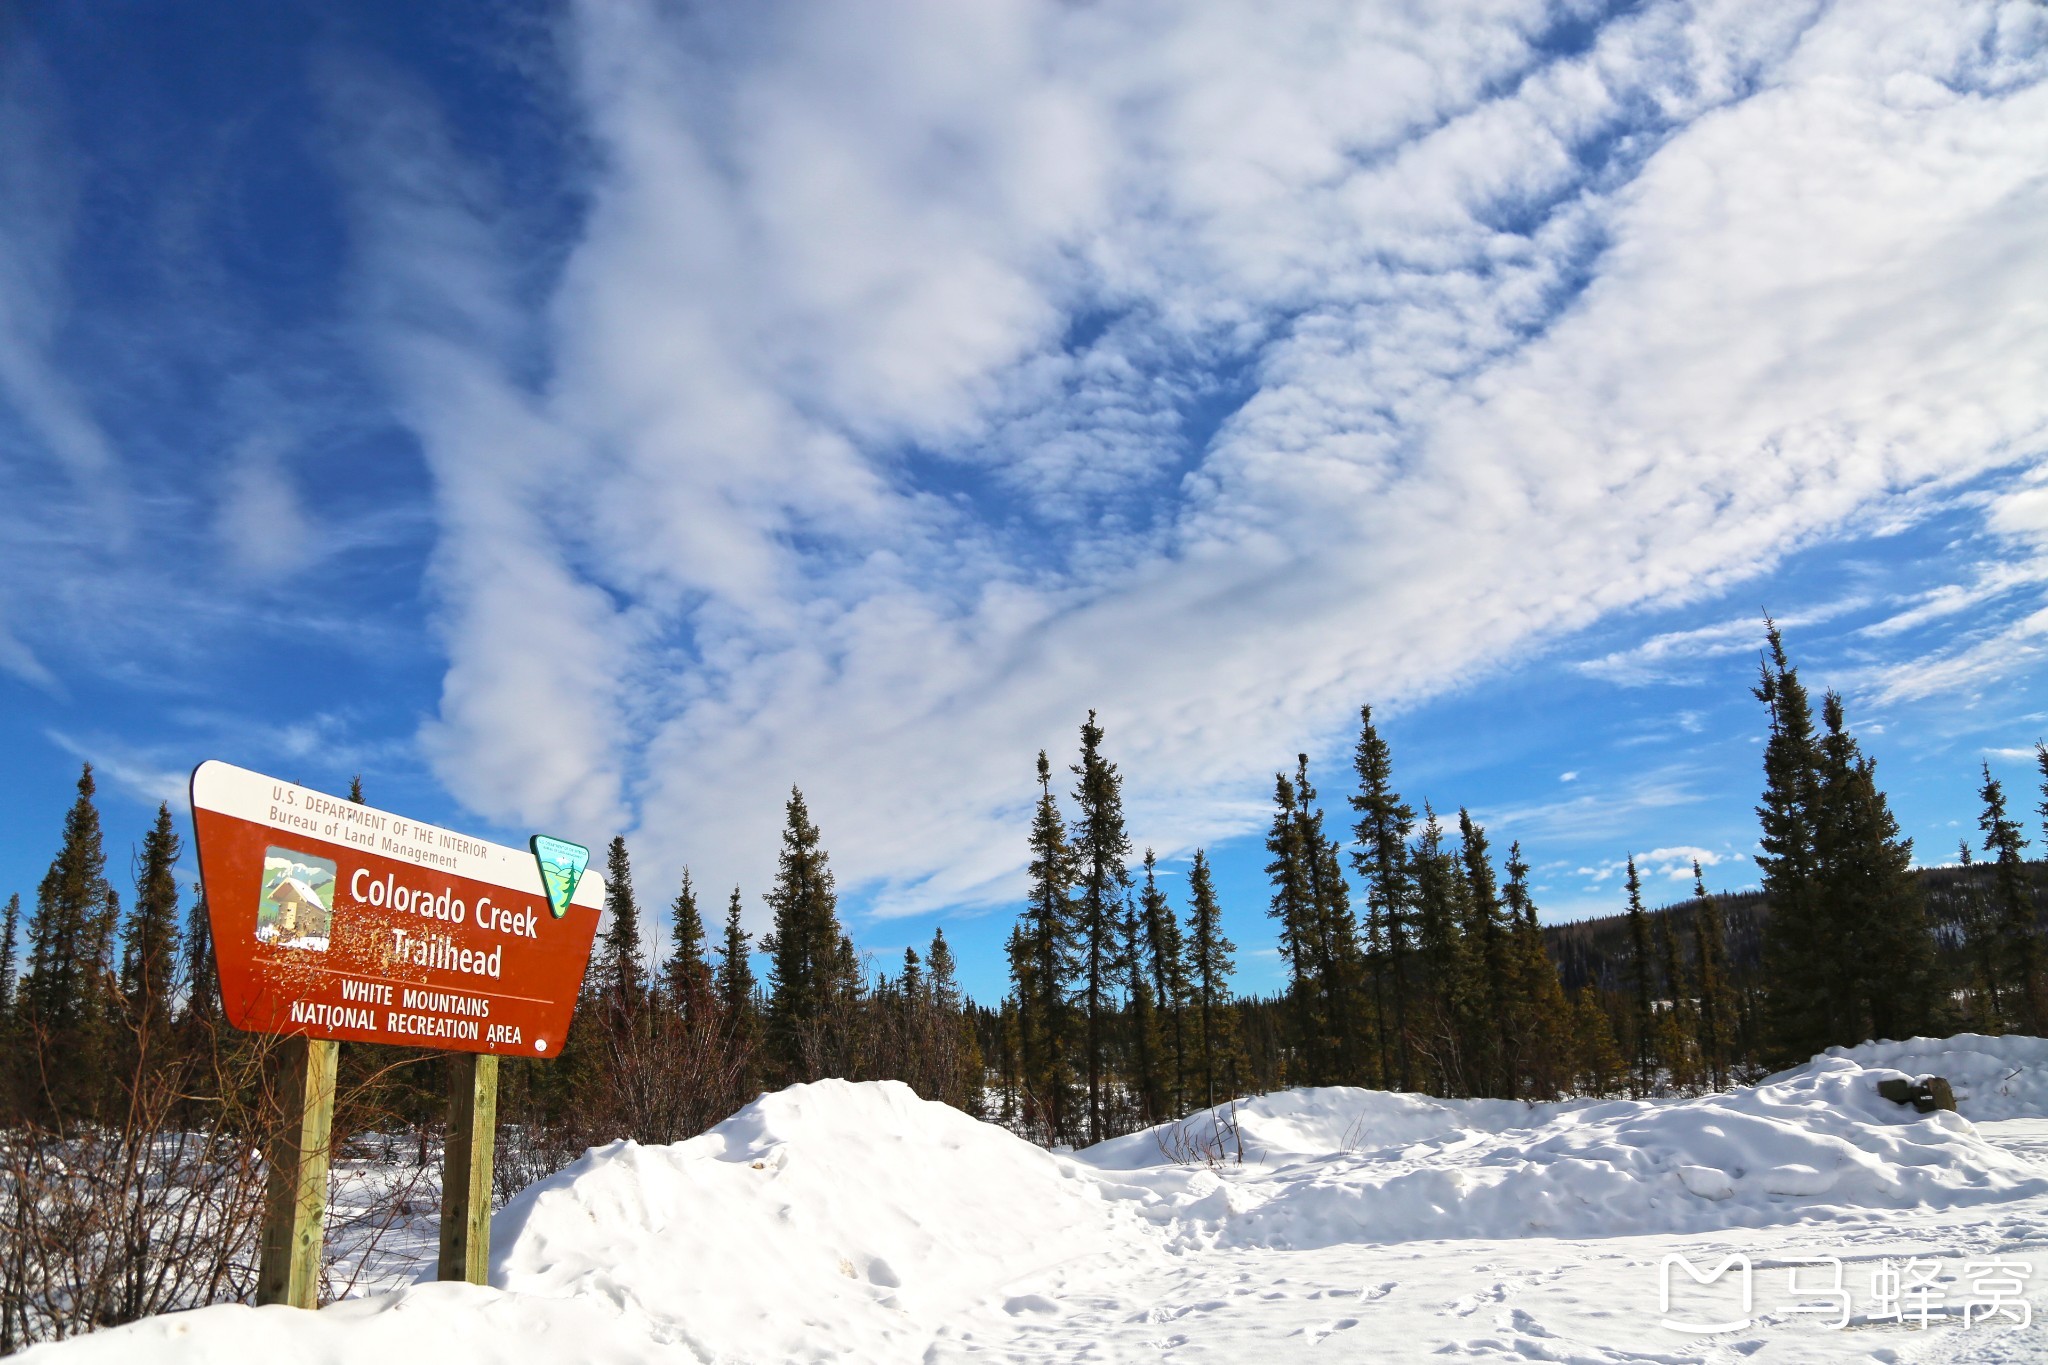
column 341, row 921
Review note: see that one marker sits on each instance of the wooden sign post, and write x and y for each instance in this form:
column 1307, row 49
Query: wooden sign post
column 339, row 922
column 295, row 1195
column 466, row 1168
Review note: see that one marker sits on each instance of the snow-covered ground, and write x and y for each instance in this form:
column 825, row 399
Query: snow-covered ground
column 856, row 1222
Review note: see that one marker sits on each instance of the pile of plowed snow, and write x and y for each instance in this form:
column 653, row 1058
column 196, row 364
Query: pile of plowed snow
column 1816, row 1142
column 843, row 1221
column 834, row 1211
column 1994, row 1078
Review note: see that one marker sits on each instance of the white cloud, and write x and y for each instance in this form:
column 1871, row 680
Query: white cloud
column 817, row 491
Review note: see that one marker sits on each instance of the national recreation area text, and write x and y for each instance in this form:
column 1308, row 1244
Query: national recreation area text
column 406, row 1011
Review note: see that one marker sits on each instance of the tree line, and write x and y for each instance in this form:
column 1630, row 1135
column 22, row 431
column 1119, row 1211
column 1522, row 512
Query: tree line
column 1413, row 955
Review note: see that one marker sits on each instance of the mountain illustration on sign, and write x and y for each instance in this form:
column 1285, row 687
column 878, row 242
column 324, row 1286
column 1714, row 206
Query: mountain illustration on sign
column 561, row 868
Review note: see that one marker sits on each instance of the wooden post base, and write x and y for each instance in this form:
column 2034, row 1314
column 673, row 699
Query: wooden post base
column 466, row 1170
column 295, row 1197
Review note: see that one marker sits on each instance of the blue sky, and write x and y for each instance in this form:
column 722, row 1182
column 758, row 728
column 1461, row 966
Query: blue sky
column 602, row 418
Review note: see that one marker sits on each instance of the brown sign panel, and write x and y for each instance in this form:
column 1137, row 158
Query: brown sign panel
column 335, row 920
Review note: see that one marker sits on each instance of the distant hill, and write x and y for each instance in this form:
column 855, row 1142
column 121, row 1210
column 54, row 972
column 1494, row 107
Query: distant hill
column 1596, row 950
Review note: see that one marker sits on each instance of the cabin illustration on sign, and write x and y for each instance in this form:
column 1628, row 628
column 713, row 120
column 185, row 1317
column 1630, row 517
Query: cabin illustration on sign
column 296, row 905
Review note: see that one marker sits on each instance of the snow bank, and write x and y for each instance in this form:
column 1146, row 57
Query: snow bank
column 1994, row 1078
column 1813, row 1143
column 840, row 1221
column 824, row 1221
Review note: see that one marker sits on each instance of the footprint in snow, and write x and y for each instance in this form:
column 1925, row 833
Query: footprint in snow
column 1031, row 1303
column 1318, row 1332
column 1378, row 1291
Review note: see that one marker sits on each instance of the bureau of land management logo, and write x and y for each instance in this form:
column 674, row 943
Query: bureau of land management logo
column 561, row 868
column 295, row 908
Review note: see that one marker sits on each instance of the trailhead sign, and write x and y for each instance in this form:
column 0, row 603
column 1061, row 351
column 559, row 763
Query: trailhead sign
column 338, row 921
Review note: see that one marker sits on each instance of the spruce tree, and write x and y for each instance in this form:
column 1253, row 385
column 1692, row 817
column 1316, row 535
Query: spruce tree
column 734, row 975
column 810, row 958
column 1980, row 938
column 2025, row 1009
column 1446, row 984
column 1209, row 967
column 624, row 977
column 1677, row 1044
column 149, row 964
column 1043, row 966
column 1102, row 880
column 1642, row 970
column 687, row 975
column 1169, row 986
column 1873, row 904
column 1801, row 957
column 1293, row 905
column 1381, row 859
column 202, row 977
column 1495, row 1038
column 1542, row 1014
column 63, row 938
column 1600, row 1061
column 1337, row 1052
column 1146, row 1077
column 1717, row 1001
column 956, row 1040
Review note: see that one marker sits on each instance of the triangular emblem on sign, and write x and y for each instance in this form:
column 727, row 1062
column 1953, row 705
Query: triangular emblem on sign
column 561, row 868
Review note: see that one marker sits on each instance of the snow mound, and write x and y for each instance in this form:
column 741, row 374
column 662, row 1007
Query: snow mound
column 1814, row 1143
column 1994, row 1078
column 820, row 1222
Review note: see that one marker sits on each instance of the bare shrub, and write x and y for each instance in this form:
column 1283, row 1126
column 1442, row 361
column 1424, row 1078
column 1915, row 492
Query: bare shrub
column 109, row 1220
column 1209, row 1136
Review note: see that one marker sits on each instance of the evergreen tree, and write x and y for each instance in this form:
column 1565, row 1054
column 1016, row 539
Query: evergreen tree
column 1293, row 905
column 1642, row 1019
column 1169, row 987
column 1043, row 965
column 1542, row 1015
column 956, row 1042
column 2041, row 759
column 624, row 977
column 63, row 934
column 1871, row 902
column 687, row 973
column 1337, row 1052
column 1381, row 858
column 1447, row 986
column 1493, row 1038
column 1600, row 1062
column 1717, row 1001
column 1102, row 881
column 2025, row 1009
column 149, row 964
column 201, row 975
column 1147, row 1078
column 1676, row 1042
column 811, row 960
column 1209, row 967
column 734, row 975
column 1801, row 957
